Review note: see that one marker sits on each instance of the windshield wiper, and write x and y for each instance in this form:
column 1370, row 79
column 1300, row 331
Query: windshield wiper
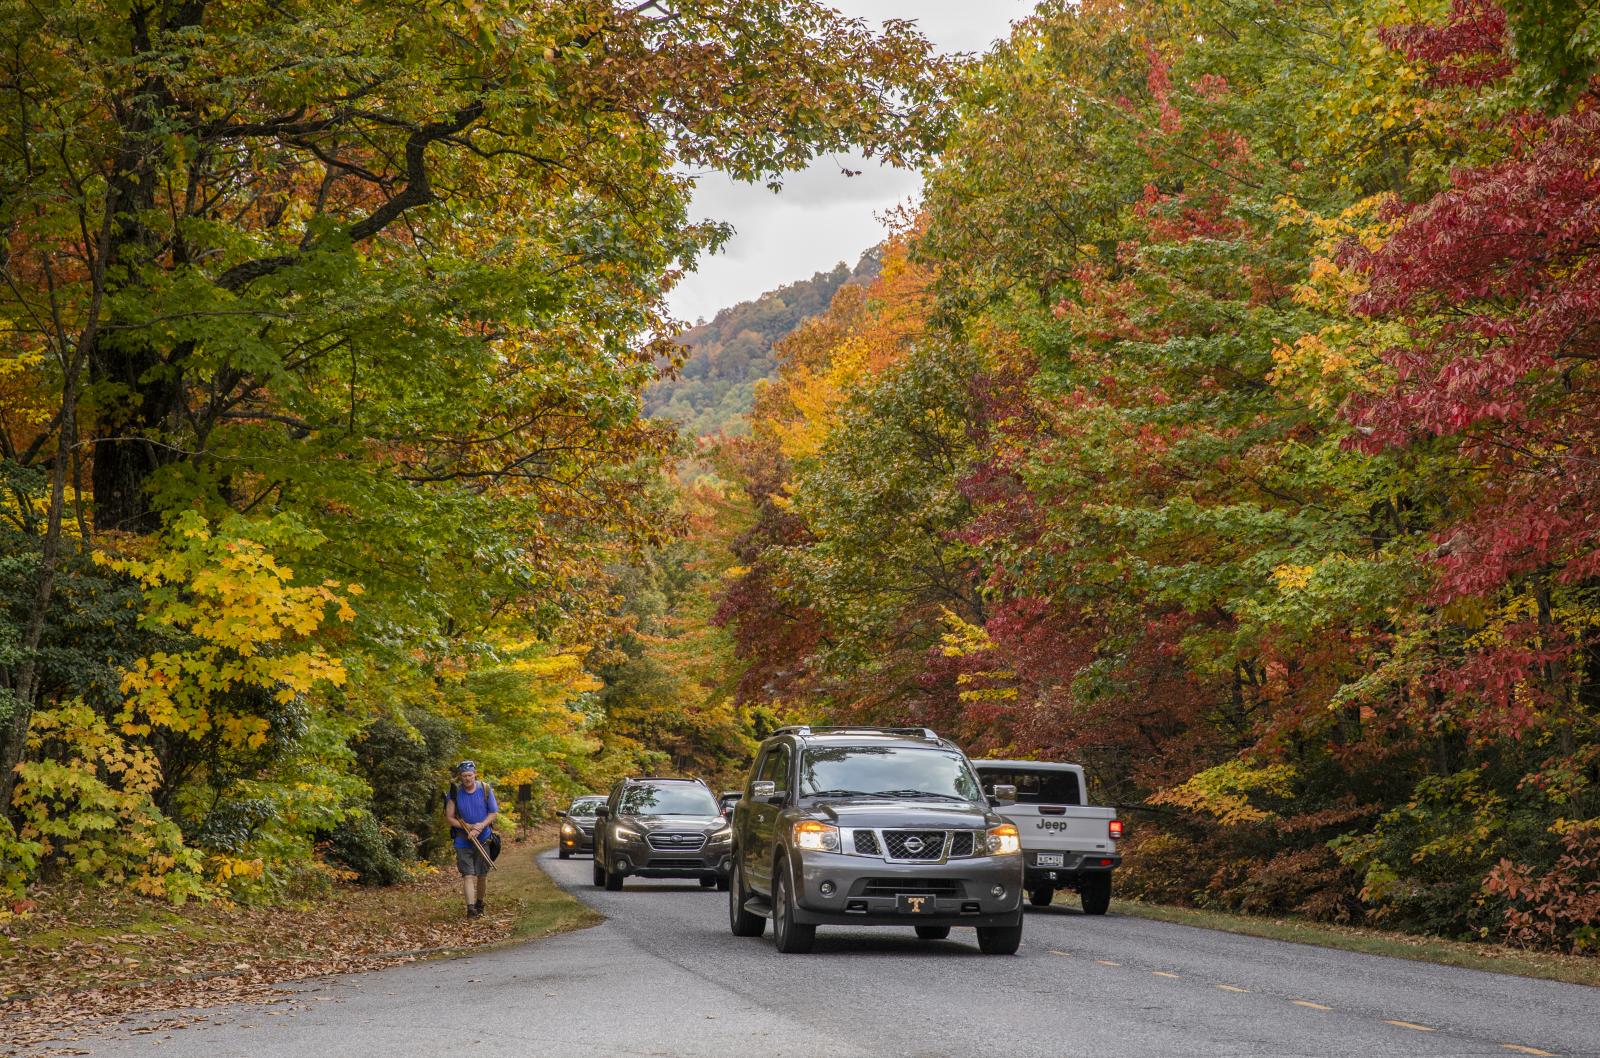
column 839, row 793
column 919, row 793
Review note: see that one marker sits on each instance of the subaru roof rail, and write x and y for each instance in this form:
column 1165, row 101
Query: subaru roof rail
column 845, row 729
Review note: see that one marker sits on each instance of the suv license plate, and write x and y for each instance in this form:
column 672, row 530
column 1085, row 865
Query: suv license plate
column 915, row 903
column 1049, row 859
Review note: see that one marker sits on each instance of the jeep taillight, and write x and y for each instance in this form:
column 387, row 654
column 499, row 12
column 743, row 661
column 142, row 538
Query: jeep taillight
column 1116, row 829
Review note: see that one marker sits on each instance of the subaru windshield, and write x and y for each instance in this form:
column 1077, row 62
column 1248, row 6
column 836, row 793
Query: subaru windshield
column 887, row 771
column 648, row 799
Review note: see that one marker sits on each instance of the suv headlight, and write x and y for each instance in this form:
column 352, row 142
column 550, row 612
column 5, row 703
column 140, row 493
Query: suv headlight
column 1004, row 840
column 720, row 836
column 823, row 837
column 630, row 834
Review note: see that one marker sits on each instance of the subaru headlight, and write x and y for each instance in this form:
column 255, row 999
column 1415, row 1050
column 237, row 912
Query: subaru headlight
column 818, row 836
column 721, row 836
column 1004, row 840
column 630, row 834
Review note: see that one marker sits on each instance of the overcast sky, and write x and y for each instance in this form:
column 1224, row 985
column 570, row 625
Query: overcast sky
column 822, row 217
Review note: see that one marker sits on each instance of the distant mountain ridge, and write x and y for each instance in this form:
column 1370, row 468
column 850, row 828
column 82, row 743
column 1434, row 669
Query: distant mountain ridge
column 715, row 389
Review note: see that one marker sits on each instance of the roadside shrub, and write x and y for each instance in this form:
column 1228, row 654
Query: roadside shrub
column 405, row 765
column 87, row 807
column 1554, row 907
column 361, row 845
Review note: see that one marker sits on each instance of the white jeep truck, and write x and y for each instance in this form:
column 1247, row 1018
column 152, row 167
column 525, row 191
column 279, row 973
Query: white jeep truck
column 1066, row 844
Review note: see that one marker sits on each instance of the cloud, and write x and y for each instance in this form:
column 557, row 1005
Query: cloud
column 822, row 217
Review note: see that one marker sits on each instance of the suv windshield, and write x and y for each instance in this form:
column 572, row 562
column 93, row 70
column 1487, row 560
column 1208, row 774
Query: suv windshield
column 841, row 771
column 583, row 808
column 648, row 799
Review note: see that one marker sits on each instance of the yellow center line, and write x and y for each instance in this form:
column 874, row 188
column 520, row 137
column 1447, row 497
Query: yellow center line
column 1054, row 952
column 1107, row 962
column 1408, row 1025
column 1162, row 973
column 1308, row 1003
column 1232, row 988
column 1520, row 1049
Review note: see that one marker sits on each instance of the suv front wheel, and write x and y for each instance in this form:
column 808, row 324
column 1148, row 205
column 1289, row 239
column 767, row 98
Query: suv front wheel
column 740, row 921
column 1000, row 940
column 790, row 936
column 605, row 876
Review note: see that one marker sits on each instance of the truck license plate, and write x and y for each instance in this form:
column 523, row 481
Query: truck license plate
column 1049, row 859
column 914, row 903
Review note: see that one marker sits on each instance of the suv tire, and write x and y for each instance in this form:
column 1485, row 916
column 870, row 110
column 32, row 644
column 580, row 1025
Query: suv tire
column 1095, row 892
column 1041, row 896
column 933, row 932
column 614, row 881
column 790, row 936
column 599, row 873
column 1000, row 940
column 740, row 921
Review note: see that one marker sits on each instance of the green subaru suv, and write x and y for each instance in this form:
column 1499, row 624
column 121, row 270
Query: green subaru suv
column 871, row 827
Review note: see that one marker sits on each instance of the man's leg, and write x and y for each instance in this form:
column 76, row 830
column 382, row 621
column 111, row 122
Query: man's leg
column 466, row 864
column 483, row 887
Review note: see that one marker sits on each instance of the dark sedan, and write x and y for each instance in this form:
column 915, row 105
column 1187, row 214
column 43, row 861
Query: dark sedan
column 577, row 826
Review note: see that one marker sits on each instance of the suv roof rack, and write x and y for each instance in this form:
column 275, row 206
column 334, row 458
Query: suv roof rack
column 660, row 778
column 803, row 730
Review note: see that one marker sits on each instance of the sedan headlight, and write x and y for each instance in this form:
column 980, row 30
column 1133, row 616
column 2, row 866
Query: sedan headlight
column 630, row 834
column 1004, row 840
column 822, row 837
column 568, row 830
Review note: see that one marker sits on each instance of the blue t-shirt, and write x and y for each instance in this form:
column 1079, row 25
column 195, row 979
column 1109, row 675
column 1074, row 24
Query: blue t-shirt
column 473, row 807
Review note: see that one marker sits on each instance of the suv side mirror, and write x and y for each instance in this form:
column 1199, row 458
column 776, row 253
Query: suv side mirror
column 602, row 811
column 1002, row 792
column 763, row 790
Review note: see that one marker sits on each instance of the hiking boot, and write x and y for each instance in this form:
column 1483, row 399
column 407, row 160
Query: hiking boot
column 478, row 907
column 474, row 910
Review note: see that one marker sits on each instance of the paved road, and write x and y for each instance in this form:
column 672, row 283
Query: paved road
column 663, row 977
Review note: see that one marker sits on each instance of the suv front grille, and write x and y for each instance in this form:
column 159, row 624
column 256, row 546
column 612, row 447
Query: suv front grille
column 674, row 842
column 915, row 844
column 961, row 843
column 925, row 886
column 867, row 843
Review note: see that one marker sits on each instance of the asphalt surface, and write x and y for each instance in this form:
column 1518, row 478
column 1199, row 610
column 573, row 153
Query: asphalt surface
column 664, row 977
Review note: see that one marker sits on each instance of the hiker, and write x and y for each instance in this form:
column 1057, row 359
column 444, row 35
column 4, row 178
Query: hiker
column 470, row 809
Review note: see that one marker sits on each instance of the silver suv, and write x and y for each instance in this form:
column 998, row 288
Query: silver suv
column 871, row 827
column 661, row 828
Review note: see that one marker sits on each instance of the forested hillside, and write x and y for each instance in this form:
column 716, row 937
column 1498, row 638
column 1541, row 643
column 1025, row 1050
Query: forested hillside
column 1246, row 451
column 715, row 388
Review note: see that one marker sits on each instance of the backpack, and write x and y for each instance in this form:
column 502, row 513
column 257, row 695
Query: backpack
column 492, row 846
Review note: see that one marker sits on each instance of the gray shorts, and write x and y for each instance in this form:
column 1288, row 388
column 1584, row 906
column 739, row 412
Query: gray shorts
column 469, row 863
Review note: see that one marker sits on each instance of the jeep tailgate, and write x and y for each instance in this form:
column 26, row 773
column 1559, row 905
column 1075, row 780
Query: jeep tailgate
column 1062, row 828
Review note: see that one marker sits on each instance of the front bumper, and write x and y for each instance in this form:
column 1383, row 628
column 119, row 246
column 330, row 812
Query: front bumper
column 867, row 890
column 1074, row 867
column 638, row 858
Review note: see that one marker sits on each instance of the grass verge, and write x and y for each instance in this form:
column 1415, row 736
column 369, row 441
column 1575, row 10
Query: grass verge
column 540, row 907
column 1572, row 969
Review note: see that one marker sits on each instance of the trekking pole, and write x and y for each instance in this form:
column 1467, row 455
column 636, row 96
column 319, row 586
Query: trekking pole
column 479, row 846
